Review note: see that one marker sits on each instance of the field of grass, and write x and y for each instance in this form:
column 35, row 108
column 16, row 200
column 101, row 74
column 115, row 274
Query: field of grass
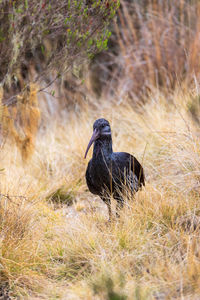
column 55, row 240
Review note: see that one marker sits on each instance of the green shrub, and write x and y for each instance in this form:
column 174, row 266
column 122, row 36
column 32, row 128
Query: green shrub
column 57, row 32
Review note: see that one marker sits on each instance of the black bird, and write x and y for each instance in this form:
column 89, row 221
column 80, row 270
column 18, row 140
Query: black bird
column 108, row 172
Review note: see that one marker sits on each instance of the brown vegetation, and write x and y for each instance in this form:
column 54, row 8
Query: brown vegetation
column 21, row 122
column 155, row 45
column 55, row 242
column 74, row 29
column 52, row 250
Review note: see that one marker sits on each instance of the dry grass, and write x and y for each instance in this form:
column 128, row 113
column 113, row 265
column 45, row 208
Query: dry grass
column 156, row 44
column 50, row 250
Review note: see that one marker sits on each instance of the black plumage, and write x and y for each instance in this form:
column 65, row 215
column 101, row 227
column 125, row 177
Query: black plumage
column 109, row 172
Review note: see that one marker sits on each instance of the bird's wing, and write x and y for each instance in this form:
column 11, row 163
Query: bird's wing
column 90, row 185
column 138, row 171
column 132, row 165
column 133, row 182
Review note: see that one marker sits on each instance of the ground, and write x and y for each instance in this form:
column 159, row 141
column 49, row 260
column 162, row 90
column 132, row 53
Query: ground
column 55, row 240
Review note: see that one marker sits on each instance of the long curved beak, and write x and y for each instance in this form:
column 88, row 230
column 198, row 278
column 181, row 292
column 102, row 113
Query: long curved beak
column 95, row 136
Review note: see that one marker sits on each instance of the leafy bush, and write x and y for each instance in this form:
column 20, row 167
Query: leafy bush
column 51, row 36
column 56, row 32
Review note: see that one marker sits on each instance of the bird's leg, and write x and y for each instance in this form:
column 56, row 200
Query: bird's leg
column 119, row 206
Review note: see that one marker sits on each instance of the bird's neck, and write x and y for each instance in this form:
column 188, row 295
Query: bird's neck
column 102, row 148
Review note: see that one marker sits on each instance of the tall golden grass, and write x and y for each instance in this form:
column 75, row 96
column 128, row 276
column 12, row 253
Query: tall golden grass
column 55, row 241
column 50, row 250
column 156, row 44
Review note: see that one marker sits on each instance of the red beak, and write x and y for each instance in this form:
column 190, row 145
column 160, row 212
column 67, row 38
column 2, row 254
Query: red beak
column 95, row 136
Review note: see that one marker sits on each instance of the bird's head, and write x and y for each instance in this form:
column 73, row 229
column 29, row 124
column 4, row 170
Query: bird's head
column 101, row 130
